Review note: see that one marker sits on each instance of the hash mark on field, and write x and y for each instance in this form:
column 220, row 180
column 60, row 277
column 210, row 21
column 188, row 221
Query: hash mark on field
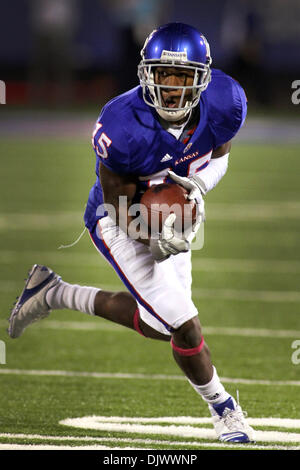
column 116, row 375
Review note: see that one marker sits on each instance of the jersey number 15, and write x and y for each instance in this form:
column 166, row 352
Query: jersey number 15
column 102, row 143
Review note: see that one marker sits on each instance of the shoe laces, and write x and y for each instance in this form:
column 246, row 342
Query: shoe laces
column 234, row 419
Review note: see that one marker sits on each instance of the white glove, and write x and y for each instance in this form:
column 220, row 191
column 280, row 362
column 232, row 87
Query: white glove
column 168, row 243
column 193, row 185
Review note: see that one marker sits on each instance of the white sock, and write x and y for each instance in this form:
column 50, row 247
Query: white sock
column 213, row 392
column 73, row 297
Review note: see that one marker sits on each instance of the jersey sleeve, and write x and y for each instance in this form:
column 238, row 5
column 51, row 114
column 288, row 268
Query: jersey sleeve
column 110, row 143
column 227, row 108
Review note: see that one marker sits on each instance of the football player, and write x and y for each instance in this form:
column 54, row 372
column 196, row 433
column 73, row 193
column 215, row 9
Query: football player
column 176, row 126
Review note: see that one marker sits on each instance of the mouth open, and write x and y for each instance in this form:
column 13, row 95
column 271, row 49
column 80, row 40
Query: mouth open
column 173, row 102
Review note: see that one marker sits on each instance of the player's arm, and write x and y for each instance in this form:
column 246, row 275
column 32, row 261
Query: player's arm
column 222, row 150
column 114, row 186
column 208, row 178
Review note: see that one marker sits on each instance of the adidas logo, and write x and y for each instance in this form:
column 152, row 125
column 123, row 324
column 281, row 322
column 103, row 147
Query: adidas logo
column 166, row 158
column 187, row 147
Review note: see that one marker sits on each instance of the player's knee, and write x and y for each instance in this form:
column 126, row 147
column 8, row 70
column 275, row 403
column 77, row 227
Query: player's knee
column 189, row 334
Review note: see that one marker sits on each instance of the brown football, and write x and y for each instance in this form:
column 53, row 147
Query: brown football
column 161, row 200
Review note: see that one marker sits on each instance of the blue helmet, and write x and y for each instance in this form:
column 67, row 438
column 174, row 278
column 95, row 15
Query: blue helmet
column 174, row 45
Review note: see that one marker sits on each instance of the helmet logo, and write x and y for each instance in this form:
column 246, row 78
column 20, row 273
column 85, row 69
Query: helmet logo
column 167, row 55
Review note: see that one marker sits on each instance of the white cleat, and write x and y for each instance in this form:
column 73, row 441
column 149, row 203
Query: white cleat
column 31, row 305
column 230, row 422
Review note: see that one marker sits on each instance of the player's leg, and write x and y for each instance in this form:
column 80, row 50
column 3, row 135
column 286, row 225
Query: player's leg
column 193, row 358
column 121, row 307
column 45, row 291
column 192, row 355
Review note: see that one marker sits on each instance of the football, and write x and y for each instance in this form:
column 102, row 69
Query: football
column 161, row 200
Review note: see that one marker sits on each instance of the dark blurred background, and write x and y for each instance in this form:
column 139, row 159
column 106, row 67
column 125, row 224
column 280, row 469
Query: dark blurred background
column 65, row 53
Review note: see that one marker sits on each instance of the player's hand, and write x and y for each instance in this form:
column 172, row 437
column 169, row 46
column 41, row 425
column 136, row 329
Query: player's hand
column 195, row 192
column 168, row 242
column 189, row 184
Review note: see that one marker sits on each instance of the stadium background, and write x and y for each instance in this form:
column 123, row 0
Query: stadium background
column 91, row 48
column 61, row 61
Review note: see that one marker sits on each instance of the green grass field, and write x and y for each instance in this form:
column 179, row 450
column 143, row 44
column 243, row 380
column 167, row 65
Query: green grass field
column 246, row 287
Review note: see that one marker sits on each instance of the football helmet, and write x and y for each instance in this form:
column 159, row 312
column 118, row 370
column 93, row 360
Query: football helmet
column 181, row 46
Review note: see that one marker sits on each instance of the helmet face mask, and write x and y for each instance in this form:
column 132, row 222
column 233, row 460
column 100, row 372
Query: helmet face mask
column 168, row 53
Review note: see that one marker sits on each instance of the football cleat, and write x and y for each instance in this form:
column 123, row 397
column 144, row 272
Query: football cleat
column 230, row 422
column 31, row 305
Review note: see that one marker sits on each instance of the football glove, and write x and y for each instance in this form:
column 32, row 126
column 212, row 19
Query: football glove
column 168, row 243
column 195, row 188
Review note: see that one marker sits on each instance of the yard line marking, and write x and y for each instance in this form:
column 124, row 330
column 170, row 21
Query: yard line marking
column 247, row 295
column 122, row 375
column 201, row 293
column 16, row 286
column 288, row 423
column 40, row 220
column 130, row 425
column 245, row 265
column 103, row 325
column 199, row 264
column 256, row 332
column 139, row 441
column 258, row 210
column 62, row 447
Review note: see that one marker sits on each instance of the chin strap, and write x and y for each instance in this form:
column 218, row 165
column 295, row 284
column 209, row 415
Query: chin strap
column 174, row 116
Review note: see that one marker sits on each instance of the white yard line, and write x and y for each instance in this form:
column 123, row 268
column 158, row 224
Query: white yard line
column 60, row 447
column 134, row 441
column 255, row 332
column 247, row 295
column 116, row 424
column 111, row 375
column 245, row 265
column 66, row 258
column 257, row 210
column 199, row 293
column 103, row 325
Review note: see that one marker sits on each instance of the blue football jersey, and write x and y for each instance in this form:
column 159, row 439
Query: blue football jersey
column 129, row 139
